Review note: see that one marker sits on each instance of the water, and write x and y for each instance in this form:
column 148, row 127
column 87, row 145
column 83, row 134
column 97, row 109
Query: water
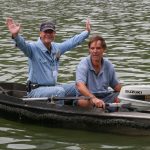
column 125, row 26
column 16, row 136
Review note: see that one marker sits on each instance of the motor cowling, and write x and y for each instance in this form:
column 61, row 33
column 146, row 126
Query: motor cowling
column 137, row 95
column 136, row 92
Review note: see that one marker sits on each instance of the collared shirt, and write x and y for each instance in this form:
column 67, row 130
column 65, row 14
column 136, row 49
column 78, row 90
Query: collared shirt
column 43, row 65
column 96, row 83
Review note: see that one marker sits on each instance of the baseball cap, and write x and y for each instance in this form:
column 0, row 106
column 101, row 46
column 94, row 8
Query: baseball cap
column 47, row 26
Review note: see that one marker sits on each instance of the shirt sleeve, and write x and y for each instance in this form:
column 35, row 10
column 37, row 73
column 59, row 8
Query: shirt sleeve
column 73, row 42
column 113, row 80
column 81, row 72
column 23, row 45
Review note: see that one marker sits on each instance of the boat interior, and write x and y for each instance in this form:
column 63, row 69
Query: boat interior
column 13, row 89
column 19, row 90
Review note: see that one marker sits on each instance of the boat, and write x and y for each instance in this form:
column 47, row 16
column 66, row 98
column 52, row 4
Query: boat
column 14, row 105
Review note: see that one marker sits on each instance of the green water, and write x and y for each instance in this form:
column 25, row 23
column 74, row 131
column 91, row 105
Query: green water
column 26, row 136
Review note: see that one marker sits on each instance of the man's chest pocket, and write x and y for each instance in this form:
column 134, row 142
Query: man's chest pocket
column 105, row 85
column 45, row 64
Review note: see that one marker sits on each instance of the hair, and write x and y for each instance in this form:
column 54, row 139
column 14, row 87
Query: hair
column 96, row 38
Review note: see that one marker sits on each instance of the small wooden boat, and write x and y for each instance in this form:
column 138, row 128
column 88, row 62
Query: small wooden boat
column 43, row 112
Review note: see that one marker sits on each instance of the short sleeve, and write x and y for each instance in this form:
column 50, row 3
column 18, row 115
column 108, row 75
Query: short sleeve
column 113, row 80
column 82, row 71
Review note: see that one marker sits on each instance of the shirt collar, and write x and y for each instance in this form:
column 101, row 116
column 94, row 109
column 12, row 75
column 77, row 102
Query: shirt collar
column 42, row 46
column 90, row 63
column 91, row 66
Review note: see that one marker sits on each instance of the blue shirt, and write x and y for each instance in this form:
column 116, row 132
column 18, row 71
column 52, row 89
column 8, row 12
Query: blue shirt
column 43, row 65
column 96, row 83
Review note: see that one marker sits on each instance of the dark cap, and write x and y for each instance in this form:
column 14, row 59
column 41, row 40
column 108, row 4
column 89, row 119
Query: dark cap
column 47, row 26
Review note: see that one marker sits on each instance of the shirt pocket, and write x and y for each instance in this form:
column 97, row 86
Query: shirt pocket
column 42, row 60
column 44, row 64
column 105, row 83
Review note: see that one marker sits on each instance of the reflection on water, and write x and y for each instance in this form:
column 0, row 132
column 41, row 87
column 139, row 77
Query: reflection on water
column 125, row 26
column 36, row 137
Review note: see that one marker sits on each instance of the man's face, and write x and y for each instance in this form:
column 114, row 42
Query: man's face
column 96, row 51
column 47, row 36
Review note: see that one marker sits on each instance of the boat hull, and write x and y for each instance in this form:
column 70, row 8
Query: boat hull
column 95, row 119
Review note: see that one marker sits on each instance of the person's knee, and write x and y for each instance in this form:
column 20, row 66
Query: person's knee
column 60, row 92
column 70, row 89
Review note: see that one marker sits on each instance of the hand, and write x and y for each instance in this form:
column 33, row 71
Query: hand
column 98, row 102
column 13, row 27
column 88, row 25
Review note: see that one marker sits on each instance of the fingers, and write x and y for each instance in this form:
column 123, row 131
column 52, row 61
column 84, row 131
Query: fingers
column 8, row 21
column 12, row 27
column 88, row 25
column 98, row 103
column 103, row 105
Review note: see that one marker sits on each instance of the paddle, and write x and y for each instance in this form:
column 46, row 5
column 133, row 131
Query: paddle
column 56, row 98
column 53, row 99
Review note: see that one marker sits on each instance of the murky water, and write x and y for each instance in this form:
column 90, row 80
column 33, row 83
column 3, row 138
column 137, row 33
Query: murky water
column 22, row 136
column 126, row 27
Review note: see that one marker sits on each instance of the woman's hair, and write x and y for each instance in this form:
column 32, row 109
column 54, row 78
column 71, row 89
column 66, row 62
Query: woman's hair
column 96, row 38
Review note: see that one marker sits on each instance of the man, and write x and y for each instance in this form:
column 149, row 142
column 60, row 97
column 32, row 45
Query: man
column 43, row 58
column 94, row 76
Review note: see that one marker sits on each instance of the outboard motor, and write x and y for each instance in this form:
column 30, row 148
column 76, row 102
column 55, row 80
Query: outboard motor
column 137, row 95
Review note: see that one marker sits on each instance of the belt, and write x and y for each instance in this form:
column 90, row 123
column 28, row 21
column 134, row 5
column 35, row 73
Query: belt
column 31, row 86
column 34, row 86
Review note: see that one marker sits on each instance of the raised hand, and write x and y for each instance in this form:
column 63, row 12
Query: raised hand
column 88, row 25
column 13, row 27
